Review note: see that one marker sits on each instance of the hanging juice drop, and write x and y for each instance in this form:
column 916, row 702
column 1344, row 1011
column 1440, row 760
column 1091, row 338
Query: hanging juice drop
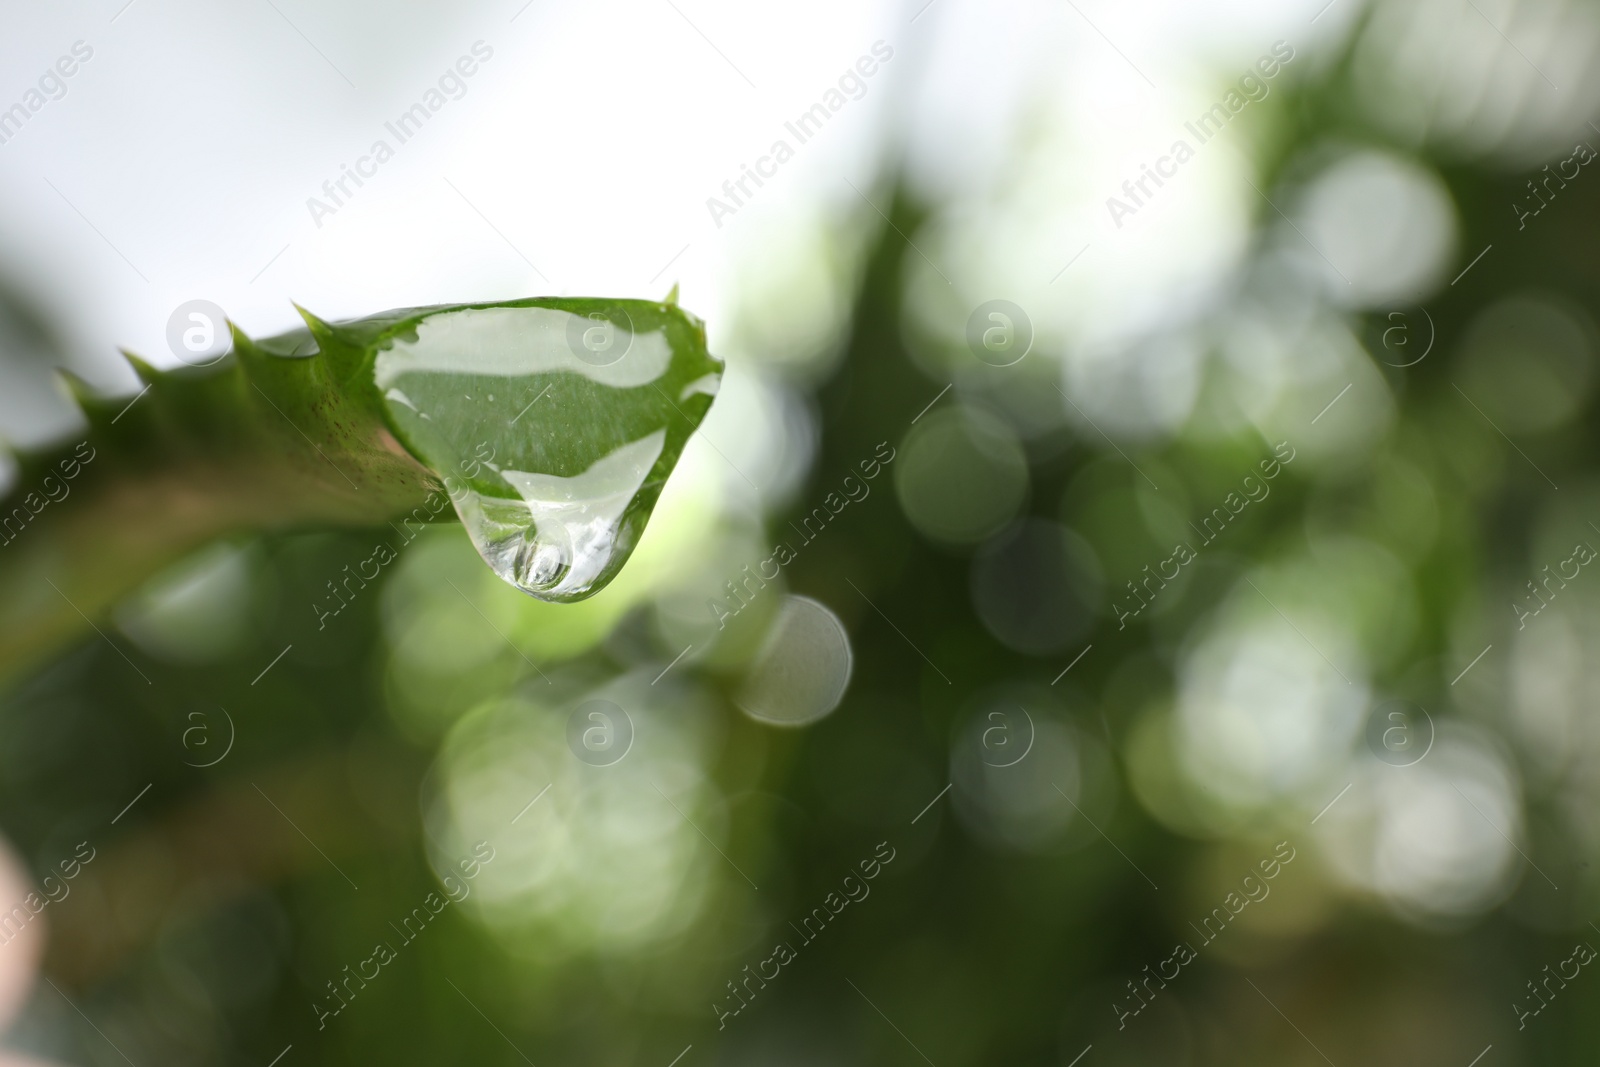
column 582, row 409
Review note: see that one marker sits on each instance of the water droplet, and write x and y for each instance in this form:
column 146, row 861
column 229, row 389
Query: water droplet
column 539, row 564
column 559, row 540
column 554, row 503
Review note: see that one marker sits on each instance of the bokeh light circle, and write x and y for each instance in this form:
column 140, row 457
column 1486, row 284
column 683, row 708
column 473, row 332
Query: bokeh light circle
column 803, row 668
column 1036, row 586
column 1384, row 227
column 962, row 475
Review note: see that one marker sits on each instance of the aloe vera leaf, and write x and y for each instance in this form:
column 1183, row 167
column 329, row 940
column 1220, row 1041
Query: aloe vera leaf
column 550, row 424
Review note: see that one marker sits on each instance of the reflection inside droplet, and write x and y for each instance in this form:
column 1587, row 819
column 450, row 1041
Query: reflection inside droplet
column 539, row 565
column 559, row 540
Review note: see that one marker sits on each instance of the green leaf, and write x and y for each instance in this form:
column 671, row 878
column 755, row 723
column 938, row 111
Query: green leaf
column 550, row 424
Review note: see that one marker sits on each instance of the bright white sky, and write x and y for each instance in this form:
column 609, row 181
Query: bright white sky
column 579, row 160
